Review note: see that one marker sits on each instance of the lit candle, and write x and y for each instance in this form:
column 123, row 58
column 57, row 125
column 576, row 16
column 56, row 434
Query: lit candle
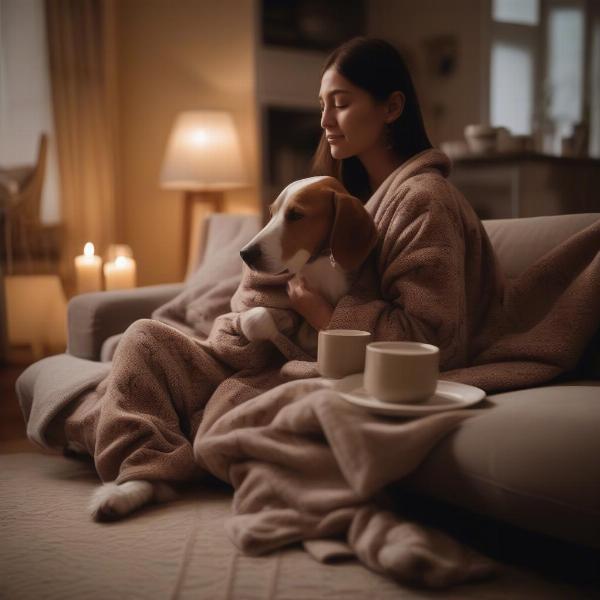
column 115, row 250
column 120, row 274
column 88, row 268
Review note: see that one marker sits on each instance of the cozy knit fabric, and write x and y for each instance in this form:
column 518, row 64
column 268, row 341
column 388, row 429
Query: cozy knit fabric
column 440, row 282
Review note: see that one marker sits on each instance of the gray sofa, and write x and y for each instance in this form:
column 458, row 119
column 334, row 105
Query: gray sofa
column 529, row 465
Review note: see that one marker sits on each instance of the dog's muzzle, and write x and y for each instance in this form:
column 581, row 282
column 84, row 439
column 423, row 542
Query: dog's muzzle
column 251, row 256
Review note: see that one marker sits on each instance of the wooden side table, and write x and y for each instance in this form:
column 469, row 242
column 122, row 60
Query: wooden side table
column 3, row 321
column 528, row 184
column 36, row 314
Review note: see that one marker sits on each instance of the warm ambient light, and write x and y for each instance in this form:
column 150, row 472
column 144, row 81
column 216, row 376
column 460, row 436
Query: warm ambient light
column 203, row 153
column 199, row 137
column 115, row 250
column 204, row 159
column 36, row 313
column 120, row 274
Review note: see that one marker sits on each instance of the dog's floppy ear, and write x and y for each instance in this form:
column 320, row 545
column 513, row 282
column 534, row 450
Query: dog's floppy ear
column 353, row 235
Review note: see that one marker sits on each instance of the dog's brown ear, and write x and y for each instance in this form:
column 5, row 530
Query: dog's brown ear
column 353, row 235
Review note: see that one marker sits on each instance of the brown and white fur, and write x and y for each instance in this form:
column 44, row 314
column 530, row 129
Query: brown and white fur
column 317, row 230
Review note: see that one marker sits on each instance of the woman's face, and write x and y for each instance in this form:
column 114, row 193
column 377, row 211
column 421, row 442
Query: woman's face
column 353, row 122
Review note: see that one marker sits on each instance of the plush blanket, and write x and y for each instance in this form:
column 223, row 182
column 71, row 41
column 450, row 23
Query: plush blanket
column 305, row 465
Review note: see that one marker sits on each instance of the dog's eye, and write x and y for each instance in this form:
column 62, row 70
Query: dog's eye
column 293, row 215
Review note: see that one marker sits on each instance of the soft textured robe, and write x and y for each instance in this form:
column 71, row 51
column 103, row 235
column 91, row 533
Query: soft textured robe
column 441, row 283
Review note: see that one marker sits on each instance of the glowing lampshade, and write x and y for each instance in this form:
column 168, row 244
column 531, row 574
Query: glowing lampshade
column 203, row 153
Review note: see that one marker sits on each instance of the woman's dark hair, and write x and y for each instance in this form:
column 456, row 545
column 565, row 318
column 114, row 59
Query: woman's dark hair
column 378, row 68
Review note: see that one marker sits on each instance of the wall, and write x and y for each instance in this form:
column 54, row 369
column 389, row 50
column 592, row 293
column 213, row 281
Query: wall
column 174, row 56
column 409, row 24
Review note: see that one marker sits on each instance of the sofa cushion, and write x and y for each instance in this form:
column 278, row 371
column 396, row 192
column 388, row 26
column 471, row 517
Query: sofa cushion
column 215, row 280
column 518, row 243
column 224, row 235
column 530, row 460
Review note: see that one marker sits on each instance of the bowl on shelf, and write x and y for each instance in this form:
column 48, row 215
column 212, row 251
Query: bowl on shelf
column 455, row 149
column 481, row 139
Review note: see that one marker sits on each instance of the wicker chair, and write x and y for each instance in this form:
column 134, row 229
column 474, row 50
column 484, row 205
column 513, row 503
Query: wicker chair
column 30, row 246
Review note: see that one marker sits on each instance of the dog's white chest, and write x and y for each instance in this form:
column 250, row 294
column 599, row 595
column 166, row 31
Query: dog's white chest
column 323, row 277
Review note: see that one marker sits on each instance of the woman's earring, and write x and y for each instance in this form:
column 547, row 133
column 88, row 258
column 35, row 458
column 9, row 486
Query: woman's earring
column 332, row 260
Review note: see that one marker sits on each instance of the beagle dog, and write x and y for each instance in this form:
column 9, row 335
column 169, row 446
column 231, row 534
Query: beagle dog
column 318, row 231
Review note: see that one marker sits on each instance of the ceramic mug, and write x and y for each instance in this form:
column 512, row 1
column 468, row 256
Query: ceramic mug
column 402, row 372
column 341, row 352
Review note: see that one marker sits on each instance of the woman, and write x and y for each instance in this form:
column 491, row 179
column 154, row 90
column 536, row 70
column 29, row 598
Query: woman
column 432, row 248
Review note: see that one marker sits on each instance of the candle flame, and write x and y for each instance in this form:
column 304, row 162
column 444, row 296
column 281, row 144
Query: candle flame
column 121, row 261
column 88, row 249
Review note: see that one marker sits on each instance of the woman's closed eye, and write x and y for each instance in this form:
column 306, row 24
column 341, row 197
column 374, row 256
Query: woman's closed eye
column 336, row 106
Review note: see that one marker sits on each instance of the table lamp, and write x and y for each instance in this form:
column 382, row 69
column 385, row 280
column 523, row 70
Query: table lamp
column 203, row 158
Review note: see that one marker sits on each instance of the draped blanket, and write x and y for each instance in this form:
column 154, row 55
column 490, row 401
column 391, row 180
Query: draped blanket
column 305, row 465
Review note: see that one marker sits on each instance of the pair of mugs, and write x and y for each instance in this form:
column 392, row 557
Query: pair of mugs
column 402, row 372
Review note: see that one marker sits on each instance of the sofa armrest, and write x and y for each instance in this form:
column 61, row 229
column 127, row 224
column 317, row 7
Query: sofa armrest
column 95, row 316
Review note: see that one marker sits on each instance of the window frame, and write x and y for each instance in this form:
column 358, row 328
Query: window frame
column 592, row 58
column 493, row 31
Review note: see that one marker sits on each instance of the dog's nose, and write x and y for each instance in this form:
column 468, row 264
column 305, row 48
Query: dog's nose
column 250, row 255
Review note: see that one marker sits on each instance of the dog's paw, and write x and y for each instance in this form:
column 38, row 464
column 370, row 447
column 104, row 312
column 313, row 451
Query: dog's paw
column 257, row 324
column 113, row 501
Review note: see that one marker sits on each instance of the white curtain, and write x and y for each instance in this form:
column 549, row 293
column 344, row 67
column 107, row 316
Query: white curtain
column 25, row 96
column 82, row 66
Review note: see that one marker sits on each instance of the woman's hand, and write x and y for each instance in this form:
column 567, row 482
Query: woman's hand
column 309, row 304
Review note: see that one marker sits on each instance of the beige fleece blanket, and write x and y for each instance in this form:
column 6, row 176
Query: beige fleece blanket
column 304, row 464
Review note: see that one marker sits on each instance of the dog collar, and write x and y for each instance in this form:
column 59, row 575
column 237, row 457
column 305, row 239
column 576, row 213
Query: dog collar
column 324, row 252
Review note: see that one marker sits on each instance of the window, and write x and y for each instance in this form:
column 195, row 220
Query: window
column 564, row 73
column 523, row 12
column 514, row 59
column 595, row 87
column 512, row 94
column 538, row 83
column 25, row 98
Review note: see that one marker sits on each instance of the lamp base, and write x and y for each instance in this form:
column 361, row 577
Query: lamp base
column 203, row 202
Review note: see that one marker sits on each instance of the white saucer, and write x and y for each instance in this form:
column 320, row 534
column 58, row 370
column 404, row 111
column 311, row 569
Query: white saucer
column 448, row 395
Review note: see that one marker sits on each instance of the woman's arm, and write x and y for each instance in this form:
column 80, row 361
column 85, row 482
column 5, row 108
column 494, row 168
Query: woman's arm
column 416, row 291
column 309, row 304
